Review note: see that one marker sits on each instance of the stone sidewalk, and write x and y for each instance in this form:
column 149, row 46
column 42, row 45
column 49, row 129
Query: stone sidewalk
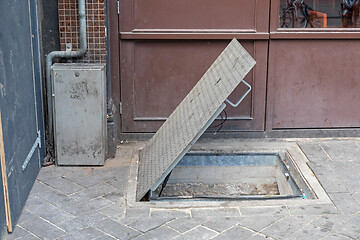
column 91, row 203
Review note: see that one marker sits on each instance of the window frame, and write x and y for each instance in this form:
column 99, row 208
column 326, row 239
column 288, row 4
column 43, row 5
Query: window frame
column 306, row 33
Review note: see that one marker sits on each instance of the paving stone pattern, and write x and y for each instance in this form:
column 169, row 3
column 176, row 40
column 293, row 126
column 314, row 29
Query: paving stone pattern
column 90, row 203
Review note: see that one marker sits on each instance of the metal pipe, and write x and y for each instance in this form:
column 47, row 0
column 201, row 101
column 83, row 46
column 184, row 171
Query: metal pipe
column 64, row 54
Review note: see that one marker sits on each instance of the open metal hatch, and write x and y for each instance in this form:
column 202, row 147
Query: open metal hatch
column 192, row 117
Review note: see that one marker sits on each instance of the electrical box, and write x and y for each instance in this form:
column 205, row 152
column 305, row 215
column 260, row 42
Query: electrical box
column 79, row 104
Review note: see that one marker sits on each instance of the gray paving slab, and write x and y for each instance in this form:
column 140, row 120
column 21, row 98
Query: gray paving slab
column 185, row 224
column 331, row 220
column 18, row 232
column 347, row 172
column 355, row 219
column 43, row 229
column 328, row 178
column 82, row 222
column 235, row 232
column 310, row 232
column 285, row 227
column 260, row 236
column 321, row 168
column 137, row 212
column 105, row 237
column 357, row 142
column 257, row 223
column 93, row 192
column 39, row 189
column 264, row 210
column 115, row 211
column 149, row 223
column 215, row 212
column 63, row 185
column 353, row 186
column 64, row 169
column 314, row 152
column 335, row 236
column 356, row 196
column 116, row 196
column 220, row 224
column 345, row 203
column 92, row 217
column 50, row 172
column 160, row 233
column 27, row 216
column 341, row 150
column 340, row 164
column 116, row 229
column 197, row 233
column 317, row 209
column 350, row 229
column 36, row 207
column 28, row 236
column 87, row 207
column 51, row 213
column 34, row 204
column 349, row 176
column 112, row 169
column 57, row 198
column 84, row 177
column 74, row 225
column 84, row 234
column 119, row 180
column 127, row 220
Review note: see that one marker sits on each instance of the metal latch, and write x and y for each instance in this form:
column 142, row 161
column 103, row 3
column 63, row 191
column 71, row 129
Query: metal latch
column 32, row 150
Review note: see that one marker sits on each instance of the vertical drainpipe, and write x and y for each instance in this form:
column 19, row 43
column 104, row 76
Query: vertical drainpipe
column 63, row 54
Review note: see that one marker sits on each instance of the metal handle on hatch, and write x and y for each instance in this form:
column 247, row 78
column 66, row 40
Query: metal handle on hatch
column 242, row 97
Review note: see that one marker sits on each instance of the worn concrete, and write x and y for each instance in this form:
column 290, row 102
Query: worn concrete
column 96, row 203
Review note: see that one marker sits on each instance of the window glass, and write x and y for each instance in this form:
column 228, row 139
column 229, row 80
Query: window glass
column 319, row 13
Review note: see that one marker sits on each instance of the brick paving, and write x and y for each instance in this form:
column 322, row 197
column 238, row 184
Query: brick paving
column 91, row 203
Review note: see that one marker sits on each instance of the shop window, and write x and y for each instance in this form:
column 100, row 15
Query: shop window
column 319, row 13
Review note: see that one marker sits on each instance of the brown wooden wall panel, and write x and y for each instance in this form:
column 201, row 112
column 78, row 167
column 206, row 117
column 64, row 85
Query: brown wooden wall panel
column 165, row 72
column 173, row 16
column 194, row 14
column 158, row 74
column 313, row 84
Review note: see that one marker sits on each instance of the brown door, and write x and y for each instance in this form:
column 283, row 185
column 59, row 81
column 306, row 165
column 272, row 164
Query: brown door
column 167, row 45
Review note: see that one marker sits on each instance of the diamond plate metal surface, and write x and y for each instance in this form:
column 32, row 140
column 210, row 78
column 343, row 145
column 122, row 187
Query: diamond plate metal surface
column 191, row 115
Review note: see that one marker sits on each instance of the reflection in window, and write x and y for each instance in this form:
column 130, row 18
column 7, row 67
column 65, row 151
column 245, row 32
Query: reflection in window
column 319, row 13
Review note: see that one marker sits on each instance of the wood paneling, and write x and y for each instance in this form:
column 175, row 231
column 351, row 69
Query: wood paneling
column 167, row 45
column 313, row 84
column 194, row 14
column 163, row 72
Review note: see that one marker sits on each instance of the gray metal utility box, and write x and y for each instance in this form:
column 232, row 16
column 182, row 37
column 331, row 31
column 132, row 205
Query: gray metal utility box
column 79, row 103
